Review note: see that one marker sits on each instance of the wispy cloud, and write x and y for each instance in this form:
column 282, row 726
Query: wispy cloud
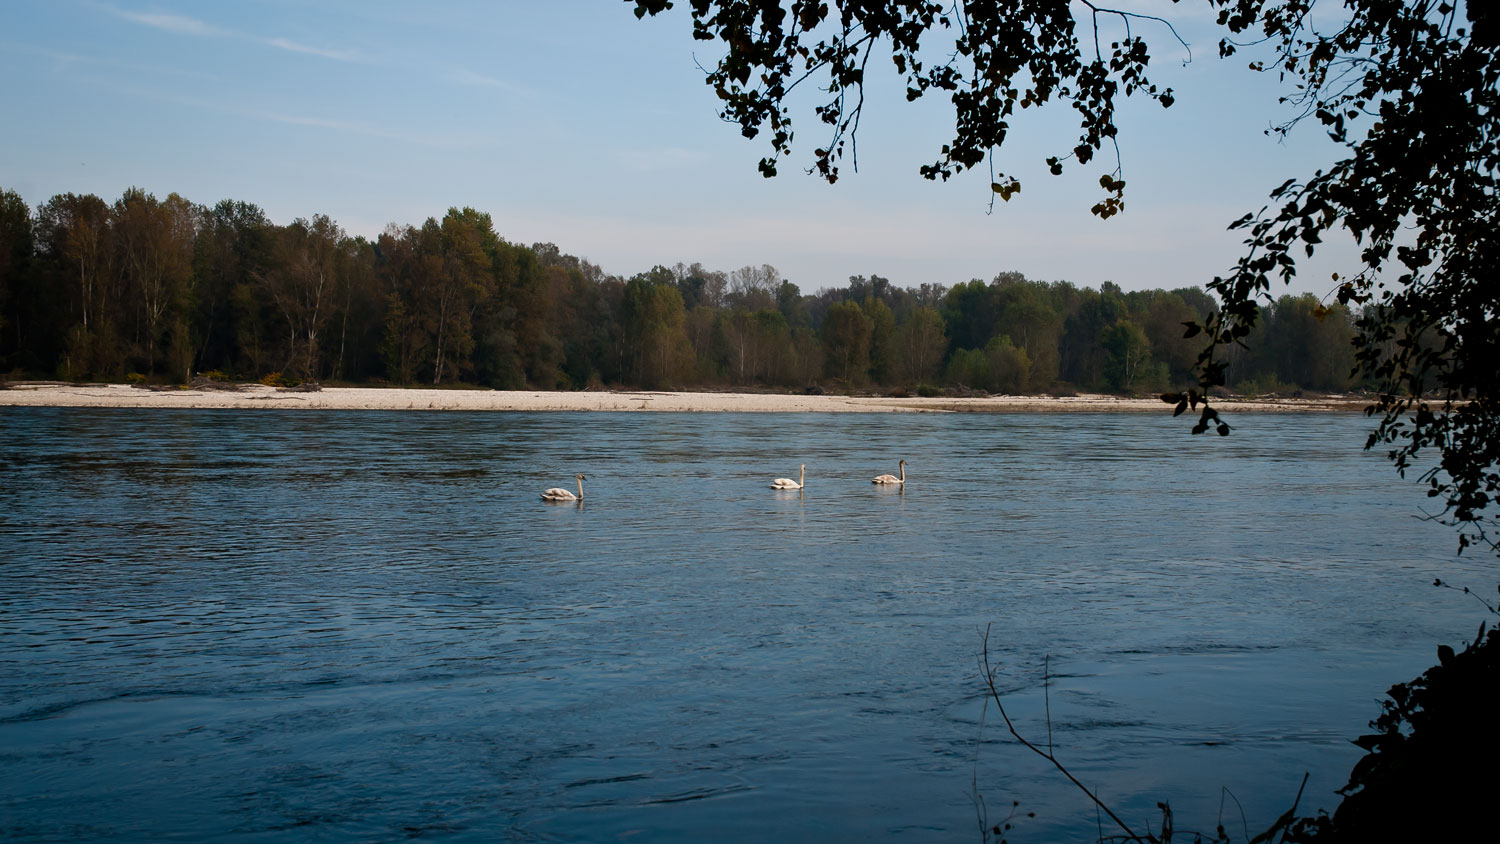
column 183, row 25
column 293, row 46
column 438, row 140
column 169, row 22
column 77, row 59
column 469, row 77
column 316, row 122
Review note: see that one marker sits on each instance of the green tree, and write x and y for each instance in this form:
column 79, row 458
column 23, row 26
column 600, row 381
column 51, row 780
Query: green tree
column 654, row 321
column 793, row 305
column 846, row 342
column 523, row 307
column 1009, row 366
column 1081, row 352
column 409, row 262
column 232, row 254
column 1127, row 355
column 774, row 338
column 969, row 313
column 76, row 234
column 706, row 337
column 754, row 287
column 360, row 312
column 1307, row 344
column 1027, row 316
column 467, row 242
column 156, row 240
column 969, row 368
column 738, row 331
column 302, row 281
column 921, row 342
column 1166, row 317
column 807, row 357
column 16, row 246
column 882, row 339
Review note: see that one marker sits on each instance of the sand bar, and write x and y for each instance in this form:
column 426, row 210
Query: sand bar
column 51, row 394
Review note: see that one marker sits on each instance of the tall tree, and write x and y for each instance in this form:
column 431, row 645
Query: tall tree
column 75, row 232
column 1127, row 355
column 1081, row 353
column 155, row 240
column 653, row 317
column 882, row 336
column 1009, row 365
column 1027, row 317
column 846, row 342
column 969, row 312
column 1308, row 344
column 16, row 244
column 920, row 344
column 232, row 254
column 409, row 262
column 359, row 310
column 1164, row 322
column 468, row 243
column 520, row 310
column 754, row 287
column 303, row 283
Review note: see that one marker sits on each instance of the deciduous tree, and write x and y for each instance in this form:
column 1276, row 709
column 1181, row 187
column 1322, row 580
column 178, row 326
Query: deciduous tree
column 303, row 281
column 155, row 240
column 846, row 342
column 920, row 342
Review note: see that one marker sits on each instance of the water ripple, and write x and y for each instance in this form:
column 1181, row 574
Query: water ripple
column 228, row 625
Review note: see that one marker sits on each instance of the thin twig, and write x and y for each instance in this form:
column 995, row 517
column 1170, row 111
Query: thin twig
column 1466, row 591
column 1293, row 811
column 989, row 678
column 979, row 807
column 1047, row 696
column 1244, row 824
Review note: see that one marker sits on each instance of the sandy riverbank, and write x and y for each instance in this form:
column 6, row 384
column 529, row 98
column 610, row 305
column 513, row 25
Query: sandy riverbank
column 23, row 394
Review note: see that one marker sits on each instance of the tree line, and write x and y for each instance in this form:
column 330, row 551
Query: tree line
column 163, row 289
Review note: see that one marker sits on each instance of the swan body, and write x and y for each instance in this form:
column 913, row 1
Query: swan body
column 892, row 479
column 788, row 483
column 557, row 493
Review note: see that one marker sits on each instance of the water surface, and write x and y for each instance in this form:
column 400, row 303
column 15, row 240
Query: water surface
column 289, row 626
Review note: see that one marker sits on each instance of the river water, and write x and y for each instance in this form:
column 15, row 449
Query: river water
column 323, row 626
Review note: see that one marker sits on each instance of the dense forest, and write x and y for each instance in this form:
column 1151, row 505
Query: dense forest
column 163, row 289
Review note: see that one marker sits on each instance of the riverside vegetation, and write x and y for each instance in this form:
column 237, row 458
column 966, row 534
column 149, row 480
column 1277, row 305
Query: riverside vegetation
column 164, row 288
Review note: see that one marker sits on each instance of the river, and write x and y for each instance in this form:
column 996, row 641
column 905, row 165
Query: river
column 351, row 626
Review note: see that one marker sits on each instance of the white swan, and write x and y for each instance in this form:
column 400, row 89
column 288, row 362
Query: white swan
column 892, row 479
column 788, row 483
column 557, row 493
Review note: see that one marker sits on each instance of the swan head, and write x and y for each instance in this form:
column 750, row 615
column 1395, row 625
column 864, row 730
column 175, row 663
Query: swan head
column 902, row 462
column 580, row 477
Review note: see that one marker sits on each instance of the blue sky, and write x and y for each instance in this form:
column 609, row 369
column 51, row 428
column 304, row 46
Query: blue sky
column 575, row 123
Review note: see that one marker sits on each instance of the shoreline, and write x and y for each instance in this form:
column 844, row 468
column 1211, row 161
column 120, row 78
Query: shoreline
column 257, row 396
